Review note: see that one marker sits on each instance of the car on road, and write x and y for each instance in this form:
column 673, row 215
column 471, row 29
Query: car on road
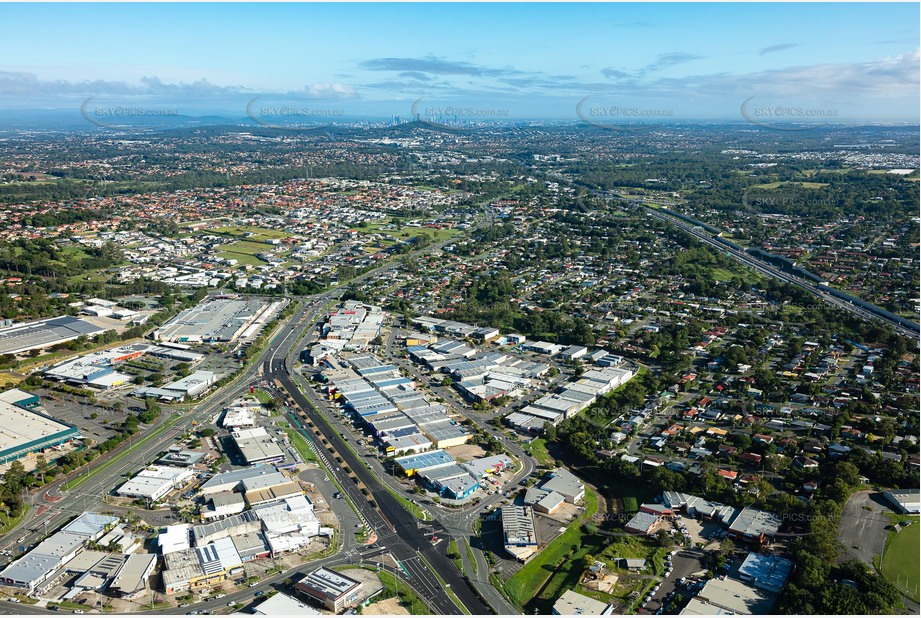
column 186, row 605
column 220, row 596
column 13, row 600
column 231, row 604
column 259, row 593
column 78, row 611
column 252, row 585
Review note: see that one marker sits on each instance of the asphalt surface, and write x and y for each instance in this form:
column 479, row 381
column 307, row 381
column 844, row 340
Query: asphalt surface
column 863, row 527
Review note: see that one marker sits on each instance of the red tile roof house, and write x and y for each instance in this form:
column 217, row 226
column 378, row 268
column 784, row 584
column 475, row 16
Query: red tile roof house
column 728, row 474
column 751, row 458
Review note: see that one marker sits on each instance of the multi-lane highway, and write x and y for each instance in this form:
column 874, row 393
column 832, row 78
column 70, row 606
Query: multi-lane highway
column 770, row 271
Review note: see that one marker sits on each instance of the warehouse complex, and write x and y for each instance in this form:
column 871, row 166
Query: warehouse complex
column 24, row 430
column 388, row 403
column 44, row 334
column 52, row 554
column 219, row 320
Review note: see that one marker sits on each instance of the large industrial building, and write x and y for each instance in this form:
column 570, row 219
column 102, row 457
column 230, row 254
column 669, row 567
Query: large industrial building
column 44, row 334
column 257, row 446
column 217, row 321
column 24, row 430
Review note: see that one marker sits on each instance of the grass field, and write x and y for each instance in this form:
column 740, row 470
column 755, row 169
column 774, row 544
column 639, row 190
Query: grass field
column 8, row 380
column 300, row 444
column 531, row 578
column 261, row 234
column 6, row 526
column 901, row 564
column 407, row 232
column 262, row 396
column 538, row 448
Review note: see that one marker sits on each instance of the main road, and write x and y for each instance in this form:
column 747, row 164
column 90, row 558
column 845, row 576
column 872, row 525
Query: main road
column 768, row 270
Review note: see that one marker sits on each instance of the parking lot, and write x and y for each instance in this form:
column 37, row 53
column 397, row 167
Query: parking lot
column 681, row 565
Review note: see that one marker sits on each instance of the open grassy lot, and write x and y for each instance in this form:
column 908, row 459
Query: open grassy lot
column 556, row 560
column 244, row 251
column 261, row 234
column 538, row 448
column 8, row 380
column 403, row 232
column 901, row 564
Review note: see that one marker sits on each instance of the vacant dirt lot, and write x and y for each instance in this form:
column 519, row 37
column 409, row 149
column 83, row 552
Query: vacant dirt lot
column 387, row 607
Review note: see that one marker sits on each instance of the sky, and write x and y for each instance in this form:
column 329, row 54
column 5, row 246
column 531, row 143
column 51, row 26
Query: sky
column 479, row 62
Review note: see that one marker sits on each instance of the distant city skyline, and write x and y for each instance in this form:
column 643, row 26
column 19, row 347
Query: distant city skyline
column 601, row 63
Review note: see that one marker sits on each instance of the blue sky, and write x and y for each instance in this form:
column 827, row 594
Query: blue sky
column 685, row 61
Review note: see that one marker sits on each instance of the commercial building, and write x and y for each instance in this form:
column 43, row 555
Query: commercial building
column 283, row 605
column 518, row 532
column 154, row 482
column 754, row 526
column 239, row 415
column 191, row 386
column 235, row 525
column 198, row 567
column 223, row 504
column 131, row 579
column 41, row 334
column 330, row 589
column 230, row 481
column 176, row 456
column 731, row 596
column 288, row 525
column 33, row 569
column 174, row 538
column 482, row 466
column 355, row 324
column 25, row 430
column 571, row 603
column 765, row 572
column 256, row 445
column 412, row 463
column 642, row 523
column 565, row 483
column 904, row 500
column 214, row 321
